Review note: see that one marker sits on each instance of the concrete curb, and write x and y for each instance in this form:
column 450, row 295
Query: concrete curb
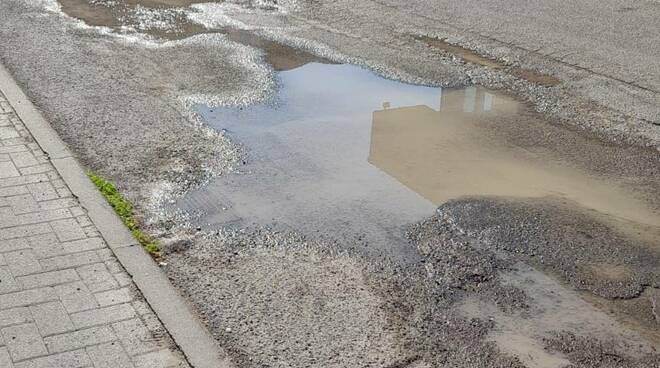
column 186, row 329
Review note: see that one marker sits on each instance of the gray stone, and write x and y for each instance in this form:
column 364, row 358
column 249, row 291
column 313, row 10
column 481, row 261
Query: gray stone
column 97, row 277
column 48, row 278
column 7, row 170
column 135, row 336
column 69, row 359
column 164, row 358
column 115, row 296
column 24, row 231
column 23, row 204
column 7, row 282
column 109, row 355
column 15, row 316
column 42, row 191
column 105, row 315
column 79, row 339
column 23, row 262
column 27, row 297
column 68, row 229
column 76, row 297
column 69, row 260
column 83, row 245
column 51, row 318
column 5, row 359
column 23, row 341
column 23, row 159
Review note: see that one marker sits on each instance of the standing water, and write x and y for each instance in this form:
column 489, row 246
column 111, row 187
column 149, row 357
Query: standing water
column 345, row 154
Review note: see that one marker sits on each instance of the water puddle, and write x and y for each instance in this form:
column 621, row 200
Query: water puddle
column 553, row 308
column 344, row 153
column 169, row 20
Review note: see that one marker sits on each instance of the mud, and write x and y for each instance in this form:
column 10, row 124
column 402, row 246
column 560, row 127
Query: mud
column 471, row 56
column 169, row 20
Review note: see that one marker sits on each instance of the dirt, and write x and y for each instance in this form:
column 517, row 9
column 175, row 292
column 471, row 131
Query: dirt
column 471, row 56
column 165, row 19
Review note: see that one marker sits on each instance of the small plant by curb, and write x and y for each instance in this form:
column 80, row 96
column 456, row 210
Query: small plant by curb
column 124, row 209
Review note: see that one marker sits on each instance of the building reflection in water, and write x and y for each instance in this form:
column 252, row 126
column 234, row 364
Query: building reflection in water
column 443, row 153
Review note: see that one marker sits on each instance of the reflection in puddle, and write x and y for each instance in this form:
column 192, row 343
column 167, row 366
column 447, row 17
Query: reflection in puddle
column 347, row 154
column 449, row 153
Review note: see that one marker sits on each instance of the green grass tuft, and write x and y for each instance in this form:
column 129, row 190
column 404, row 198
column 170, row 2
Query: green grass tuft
column 124, row 209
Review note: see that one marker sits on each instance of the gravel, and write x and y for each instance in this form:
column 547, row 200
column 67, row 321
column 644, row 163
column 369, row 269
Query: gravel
column 586, row 352
column 561, row 239
column 278, row 300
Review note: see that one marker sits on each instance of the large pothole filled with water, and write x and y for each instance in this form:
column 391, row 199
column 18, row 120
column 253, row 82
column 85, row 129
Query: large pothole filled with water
column 344, row 152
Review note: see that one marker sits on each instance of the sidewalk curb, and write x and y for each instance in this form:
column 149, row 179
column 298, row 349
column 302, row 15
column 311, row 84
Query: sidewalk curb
column 188, row 332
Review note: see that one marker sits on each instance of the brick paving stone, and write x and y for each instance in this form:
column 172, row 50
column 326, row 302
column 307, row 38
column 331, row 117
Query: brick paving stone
column 116, row 296
column 15, row 316
column 23, row 180
column 27, row 297
column 57, row 203
column 70, row 260
column 13, row 245
column 12, row 191
column 109, row 355
column 136, row 337
column 8, row 170
column 76, row 297
column 105, row 315
column 51, row 318
column 37, row 169
column 10, row 219
column 10, row 149
column 23, row 262
column 68, row 229
column 24, row 159
column 42, row 191
column 65, row 301
column 84, row 244
column 24, row 231
column 23, row 204
column 97, row 277
column 48, row 278
column 79, row 339
column 159, row 359
column 123, row 279
column 46, row 245
column 8, row 283
column 23, row 341
column 8, row 132
column 5, row 359
column 69, row 359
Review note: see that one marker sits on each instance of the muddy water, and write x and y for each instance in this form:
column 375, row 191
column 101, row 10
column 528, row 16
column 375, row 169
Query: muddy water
column 345, row 154
column 168, row 20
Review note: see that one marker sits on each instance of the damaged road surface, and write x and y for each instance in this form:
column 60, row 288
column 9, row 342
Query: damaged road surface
column 362, row 184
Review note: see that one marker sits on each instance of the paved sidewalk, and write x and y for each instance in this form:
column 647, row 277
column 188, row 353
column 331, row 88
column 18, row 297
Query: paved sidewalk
column 65, row 301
